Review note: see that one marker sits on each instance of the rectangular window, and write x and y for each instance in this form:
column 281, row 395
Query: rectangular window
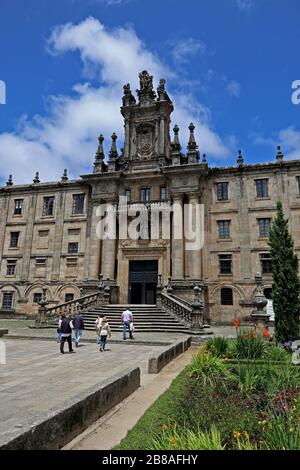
column 145, row 194
column 37, row 297
column 18, row 206
column 262, row 188
column 7, row 300
column 298, row 181
column 73, row 247
column 266, row 263
column 163, row 193
column 11, row 267
column 225, row 264
column 78, row 204
column 74, row 231
column 226, row 296
column 69, row 297
column 14, row 239
column 40, row 262
column 264, row 227
column 222, row 191
column 72, row 261
column 224, row 229
column 128, row 194
column 48, row 206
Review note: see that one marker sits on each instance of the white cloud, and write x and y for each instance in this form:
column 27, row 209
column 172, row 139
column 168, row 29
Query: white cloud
column 66, row 136
column 183, row 49
column 288, row 138
column 244, row 5
column 234, row 88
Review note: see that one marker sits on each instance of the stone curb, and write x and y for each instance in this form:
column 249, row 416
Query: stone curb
column 54, row 429
column 156, row 363
column 93, row 341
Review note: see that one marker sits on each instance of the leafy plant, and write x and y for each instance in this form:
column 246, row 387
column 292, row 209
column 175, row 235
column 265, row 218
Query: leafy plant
column 249, row 345
column 218, row 346
column 184, row 439
column 207, row 368
column 277, row 353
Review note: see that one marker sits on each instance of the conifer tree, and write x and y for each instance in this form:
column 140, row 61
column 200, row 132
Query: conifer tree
column 286, row 283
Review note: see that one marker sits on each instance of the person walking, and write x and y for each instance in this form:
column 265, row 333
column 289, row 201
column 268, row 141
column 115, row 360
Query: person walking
column 105, row 332
column 98, row 325
column 78, row 327
column 127, row 319
column 66, row 326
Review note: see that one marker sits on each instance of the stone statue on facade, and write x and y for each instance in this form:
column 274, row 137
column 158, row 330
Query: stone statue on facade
column 128, row 98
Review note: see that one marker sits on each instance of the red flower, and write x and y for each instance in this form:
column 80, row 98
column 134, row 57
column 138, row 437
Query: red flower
column 236, row 323
column 254, row 334
column 266, row 333
column 245, row 335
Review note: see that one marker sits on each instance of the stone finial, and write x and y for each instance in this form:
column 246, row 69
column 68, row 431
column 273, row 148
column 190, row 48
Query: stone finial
column 36, row 179
column 9, row 182
column 113, row 153
column 279, row 156
column 204, row 160
column 240, row 159
column 99, row 158
column 176, row 144
column 65, row 175
column 128, row 98
column 193, row 153
column 192, row 142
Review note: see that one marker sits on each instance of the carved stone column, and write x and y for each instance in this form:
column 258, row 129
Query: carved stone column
column 109, row 245
column 95, row 245
column 194, row 254
column 177, row 239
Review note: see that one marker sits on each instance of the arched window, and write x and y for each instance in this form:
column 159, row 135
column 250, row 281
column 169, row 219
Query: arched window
column 226, row 296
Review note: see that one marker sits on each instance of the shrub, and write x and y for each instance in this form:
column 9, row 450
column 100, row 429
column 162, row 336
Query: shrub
column 277, row 353
column 249, row 345
column 174, row 438
column 218, row 346
column 281, row 432
column 207, row 368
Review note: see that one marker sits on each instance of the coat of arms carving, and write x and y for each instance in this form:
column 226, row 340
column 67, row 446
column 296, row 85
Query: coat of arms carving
column 145, row 141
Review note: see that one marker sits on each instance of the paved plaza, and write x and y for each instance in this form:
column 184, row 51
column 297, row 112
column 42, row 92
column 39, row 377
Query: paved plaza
column 38, row 378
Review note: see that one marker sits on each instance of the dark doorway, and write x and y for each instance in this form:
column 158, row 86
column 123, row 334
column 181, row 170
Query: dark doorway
column 142, row 282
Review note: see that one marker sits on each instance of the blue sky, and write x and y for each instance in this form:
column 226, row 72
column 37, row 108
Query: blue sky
column 229, row 66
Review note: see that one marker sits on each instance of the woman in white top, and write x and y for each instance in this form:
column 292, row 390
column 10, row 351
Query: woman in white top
column 105, row 332
column 98, row 326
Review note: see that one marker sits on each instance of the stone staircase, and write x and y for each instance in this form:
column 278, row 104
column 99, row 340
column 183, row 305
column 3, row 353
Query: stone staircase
column 147, row 318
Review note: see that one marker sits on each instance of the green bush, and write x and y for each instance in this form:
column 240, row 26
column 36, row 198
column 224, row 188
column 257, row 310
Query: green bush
column 277, row 353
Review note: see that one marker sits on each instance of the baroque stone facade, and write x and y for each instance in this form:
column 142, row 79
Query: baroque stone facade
column 48, row 233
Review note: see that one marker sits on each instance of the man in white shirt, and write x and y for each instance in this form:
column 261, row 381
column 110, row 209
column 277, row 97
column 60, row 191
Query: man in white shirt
column 127, row 319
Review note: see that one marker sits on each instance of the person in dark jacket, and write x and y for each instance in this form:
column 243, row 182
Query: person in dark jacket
column 78, row 324
column 65, row 326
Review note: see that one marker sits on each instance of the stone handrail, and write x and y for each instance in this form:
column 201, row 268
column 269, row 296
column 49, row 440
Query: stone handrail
column 70, row 307
column 190, row 314
column 175, row 306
